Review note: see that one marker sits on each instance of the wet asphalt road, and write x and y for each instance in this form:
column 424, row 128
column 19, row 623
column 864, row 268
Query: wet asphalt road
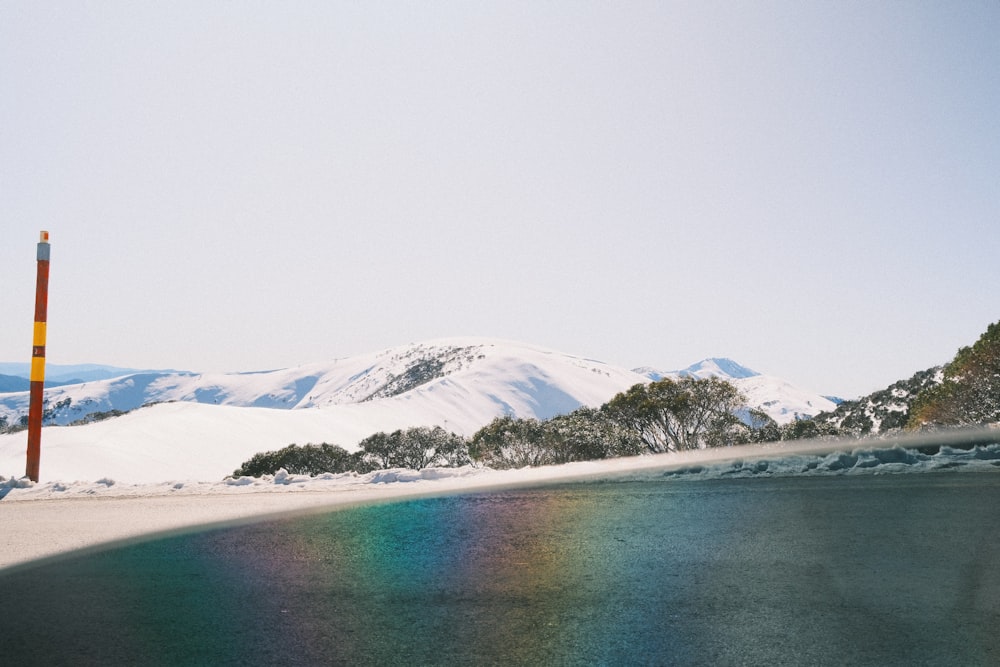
column 872, row 570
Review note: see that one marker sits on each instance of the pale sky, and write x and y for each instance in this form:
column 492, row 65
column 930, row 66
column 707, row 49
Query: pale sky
column 809, row 188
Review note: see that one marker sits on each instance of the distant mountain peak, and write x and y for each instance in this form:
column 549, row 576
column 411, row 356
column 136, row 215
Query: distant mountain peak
column 460, row 384
column 461, row 381
column 718, row 367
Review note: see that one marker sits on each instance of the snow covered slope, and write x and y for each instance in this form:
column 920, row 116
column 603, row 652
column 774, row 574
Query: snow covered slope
column 718, row 367
column 201, row 427
column 727, row 369
column 783, row 401
column 517, row 379
column 459, row 384
column 506, row 377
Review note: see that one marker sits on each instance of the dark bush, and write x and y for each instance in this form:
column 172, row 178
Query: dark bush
column 414, row 448
column 304, row 460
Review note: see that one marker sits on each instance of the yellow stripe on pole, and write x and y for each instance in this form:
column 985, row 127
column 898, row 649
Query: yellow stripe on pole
column 39, row 335
column 38, row 369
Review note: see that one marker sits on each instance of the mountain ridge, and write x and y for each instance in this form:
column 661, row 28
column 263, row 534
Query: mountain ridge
column 74, row 373
column 719, row 367
column 458, row 384
column 516, row 378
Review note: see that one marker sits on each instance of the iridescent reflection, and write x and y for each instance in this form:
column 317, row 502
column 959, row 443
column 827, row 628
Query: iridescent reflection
column 863, row 570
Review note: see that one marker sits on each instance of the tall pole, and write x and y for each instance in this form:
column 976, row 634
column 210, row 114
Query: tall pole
column 38, row 359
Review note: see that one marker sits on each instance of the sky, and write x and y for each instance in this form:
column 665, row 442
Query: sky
column 809, row 188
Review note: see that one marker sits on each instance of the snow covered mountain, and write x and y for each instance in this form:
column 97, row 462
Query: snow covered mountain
column 498, row 376
column 726, row 369
column 206, row 425
column 783, row 401
column 202, row 426
column 60, row 374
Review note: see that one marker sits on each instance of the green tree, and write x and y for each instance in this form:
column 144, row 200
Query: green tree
column 675, row 415
column 509, row 442
column 804, row 429
column 414, row 448
column 587, row 434
column 305, row 460
column 376, row 452
column 760, row 427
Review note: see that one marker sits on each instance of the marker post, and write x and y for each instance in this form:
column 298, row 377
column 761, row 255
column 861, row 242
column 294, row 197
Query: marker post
column 38, row 360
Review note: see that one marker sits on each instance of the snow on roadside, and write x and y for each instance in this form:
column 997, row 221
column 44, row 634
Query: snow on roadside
column 850, row 462
column 14, row 489
column 739, row 462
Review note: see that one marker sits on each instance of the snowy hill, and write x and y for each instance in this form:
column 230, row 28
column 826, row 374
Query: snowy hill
column 780, row 399
column 883, row 411
column 514, row 378
column 504, row 377
column 727, row 369
column 718, row 367
column 206, row 425
column 202, row 426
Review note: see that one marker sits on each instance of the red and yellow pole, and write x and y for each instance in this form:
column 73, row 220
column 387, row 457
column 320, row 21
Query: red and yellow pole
column 38, row 359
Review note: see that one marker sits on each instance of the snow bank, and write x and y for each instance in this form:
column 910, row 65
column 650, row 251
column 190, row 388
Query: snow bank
column 14, row 489
column 741, row 462
column 851, row 462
